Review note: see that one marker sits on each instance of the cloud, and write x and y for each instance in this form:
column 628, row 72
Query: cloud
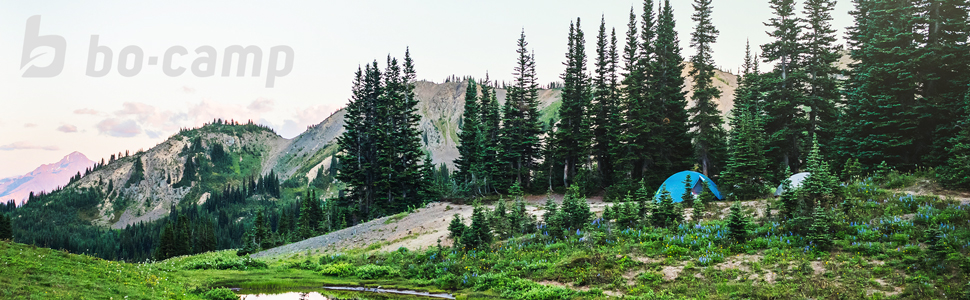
column 305, row 117
column 135, row 118
column 153, row 134
column 67, row 128
column 23, row 145
column 118, row 128
column 30, row 125
column 86, row 111
column 261, row 105
column 149, row 115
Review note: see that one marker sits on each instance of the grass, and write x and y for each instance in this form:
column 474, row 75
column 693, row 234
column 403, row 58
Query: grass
column 29, row 272
column 396, row 217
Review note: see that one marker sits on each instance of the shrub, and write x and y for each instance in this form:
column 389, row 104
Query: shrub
column 339, row 269
column 374, row 271
column 303, row 265
column 225, row 263
column 220, row 294
column 650, row 278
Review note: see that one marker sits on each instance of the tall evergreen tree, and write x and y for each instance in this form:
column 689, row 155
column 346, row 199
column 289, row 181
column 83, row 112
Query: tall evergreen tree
column 470, row 138
column 744, row 175
column 944, row 69
column 784, row 122
column 606, row 120
column 666, row 93
column 710, row 143
column 882, row 110
column 490, row 126
column 639, row 118
column 572, row 137
column 821, row 83
column 956, row 173
column 381, row 156
column 521, row 128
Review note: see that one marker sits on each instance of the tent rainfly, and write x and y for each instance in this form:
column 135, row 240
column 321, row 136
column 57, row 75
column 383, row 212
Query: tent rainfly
column 675, row 185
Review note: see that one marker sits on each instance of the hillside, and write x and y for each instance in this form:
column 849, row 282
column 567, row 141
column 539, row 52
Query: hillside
column 30, row 272
column 257, row 151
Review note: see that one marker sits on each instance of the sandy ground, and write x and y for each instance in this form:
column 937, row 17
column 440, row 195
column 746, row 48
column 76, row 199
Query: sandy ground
column 419, row 229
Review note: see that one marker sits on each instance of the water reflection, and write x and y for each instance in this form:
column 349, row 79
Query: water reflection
column 291, row 296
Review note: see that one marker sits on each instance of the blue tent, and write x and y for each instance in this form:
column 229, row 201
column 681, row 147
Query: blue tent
column 675, row 185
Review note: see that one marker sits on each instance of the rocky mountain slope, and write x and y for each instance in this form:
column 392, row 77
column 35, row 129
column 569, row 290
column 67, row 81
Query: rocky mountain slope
column 257, row 151
column 43, row 179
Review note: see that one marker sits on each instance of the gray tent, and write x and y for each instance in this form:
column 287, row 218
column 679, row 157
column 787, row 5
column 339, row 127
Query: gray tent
column 796, row 181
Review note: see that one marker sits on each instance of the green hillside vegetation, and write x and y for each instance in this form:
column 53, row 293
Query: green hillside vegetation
column 30, row 272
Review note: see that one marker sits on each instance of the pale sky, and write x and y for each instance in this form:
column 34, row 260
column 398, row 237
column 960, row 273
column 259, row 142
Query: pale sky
column 44, row 119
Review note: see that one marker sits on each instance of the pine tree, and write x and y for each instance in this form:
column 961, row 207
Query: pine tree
column 166, row 244
column 738, row 223
column 606, row 120
column 935, row 243
column 498, row 219
column 521, row 128
column 249, row 244
column 137, row 172
column 491, row 126
column 698, row 206
column 852, row 171
column 519, row 218
column 478, row 235
column 883, row 109
column 944, row 69
column 305, row 225
column 665, row 213
column 6, row 228
column 666, row 93
column 789, row 196
column 609, row 213
column 456, row 229
column 644, row 199
column 357, row 144
column 820, row 182
column 381, row 146
column 819, row 231
column 820, row 55
column 470, row 147
column 572, row 137
column 640, row 119
column 688, row 196
column 784, row 122
column 261, row 231
column 745, row 173
column 575, row 209
column 706, row 122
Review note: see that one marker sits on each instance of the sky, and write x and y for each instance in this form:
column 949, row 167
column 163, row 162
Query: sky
column 98, row 111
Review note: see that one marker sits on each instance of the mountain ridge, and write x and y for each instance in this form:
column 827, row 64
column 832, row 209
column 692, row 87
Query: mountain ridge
column 258, row 151
column 44, row 178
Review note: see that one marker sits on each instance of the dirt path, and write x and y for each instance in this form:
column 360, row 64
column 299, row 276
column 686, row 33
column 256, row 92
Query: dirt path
column 419, row 229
